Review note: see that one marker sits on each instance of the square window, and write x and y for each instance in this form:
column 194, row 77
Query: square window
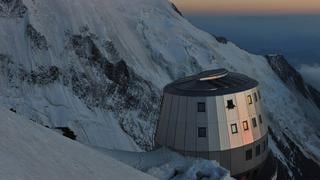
column 260, row 119
column 234, row 128
column 249, row 99
column 254, row 122
column 245, row 125
column 201, row 107
column 255, row 97
column 230, row 104
column 258, row 150
column 249, row 154
column 202, row 132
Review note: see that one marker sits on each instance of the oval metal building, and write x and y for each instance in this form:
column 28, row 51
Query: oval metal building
column 215, row 115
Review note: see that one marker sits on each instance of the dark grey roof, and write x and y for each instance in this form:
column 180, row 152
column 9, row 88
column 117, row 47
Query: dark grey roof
column 211, row 83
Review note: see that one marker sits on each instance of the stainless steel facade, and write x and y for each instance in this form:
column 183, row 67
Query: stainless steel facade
column 220, row 127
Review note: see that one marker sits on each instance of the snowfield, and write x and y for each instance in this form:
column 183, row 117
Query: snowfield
column 98, row 68
column 165, row 164
column 32, row 152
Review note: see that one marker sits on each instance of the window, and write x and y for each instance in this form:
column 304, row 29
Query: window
column 201, row 107
column 234, row 128
column 254, row 122
column 258, row 150
column 202, row 132
column 259, row 94
column 230, row 104
column 260, row 119
column 249, row 99
column 245, row 125
column 255, row 97
column 249, row 154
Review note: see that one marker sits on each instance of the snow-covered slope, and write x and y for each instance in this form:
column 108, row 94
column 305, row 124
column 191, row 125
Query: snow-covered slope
column 31, row 152
column 165, row 164
column 98, row 67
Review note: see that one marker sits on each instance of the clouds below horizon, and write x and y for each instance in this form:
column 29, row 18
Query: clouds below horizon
column 311, row 74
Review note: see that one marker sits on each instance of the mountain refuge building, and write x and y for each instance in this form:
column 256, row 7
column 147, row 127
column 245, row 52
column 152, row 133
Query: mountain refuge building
column 216, row 115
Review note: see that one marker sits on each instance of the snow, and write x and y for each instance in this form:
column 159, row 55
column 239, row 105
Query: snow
column 31, row 152
column 156, row 43
column 165, row 164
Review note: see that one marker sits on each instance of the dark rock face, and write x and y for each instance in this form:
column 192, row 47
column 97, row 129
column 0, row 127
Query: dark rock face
column 315, row 94
column 38, row 41
column 67, row 132
column 117, row 82
column 111, row 49
column 293, row 78
column 12, row 8
column 44, row 76
column 84, row 47
column 287, row 73
column 176, row 9
column 112, row 87
column 301, row 166
column 220, row 39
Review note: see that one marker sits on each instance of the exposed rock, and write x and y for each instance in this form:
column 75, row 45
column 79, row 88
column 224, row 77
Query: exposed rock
column 38, row 41
column 12, row 8
column 292, row 78
column 287, row 73
column 220, row 39
column 315, row 94
column 44, row 76
column 112, row 51
column 67, row 132
column 13, row 110
column 176, row 9
column 301, row 166
column 128, row 91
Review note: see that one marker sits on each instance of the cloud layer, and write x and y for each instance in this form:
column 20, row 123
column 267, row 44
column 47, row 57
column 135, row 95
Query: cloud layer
column 311, row 74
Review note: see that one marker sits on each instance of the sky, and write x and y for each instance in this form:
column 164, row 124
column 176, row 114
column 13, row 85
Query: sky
column 287, row 27
column 249, row 6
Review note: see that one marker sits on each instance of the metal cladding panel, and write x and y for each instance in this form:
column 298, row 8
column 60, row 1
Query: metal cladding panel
column 249, row 163
column 214, row 155
column 202, row 121
column 222, row 124
column 235, row 139
column 181, row 124
column 237, row 160
column 213, row 128
column 225, row 159
column 191, row 130
column 264, row 126
column 204, row 155
column 247, row 136
column 164, row 119
column 259, row 112
column 233, row 118
column 253, row 114
column 232, row 114
column 172, row 121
